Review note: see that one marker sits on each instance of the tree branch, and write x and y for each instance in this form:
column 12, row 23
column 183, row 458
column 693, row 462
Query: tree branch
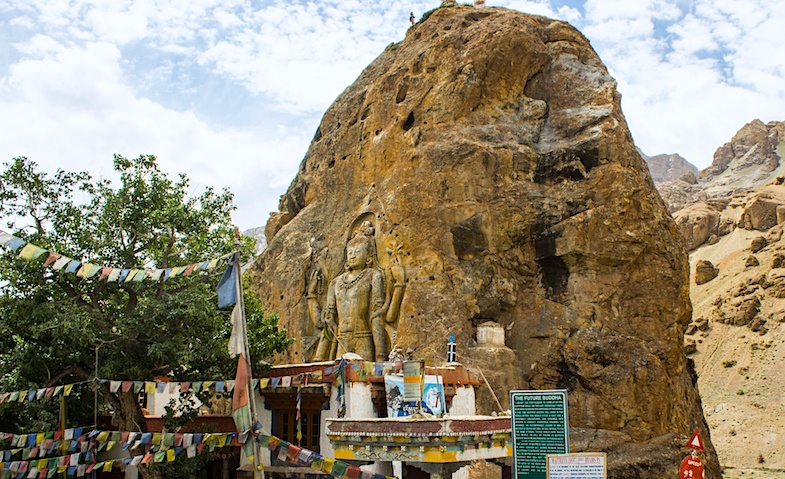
column 68, row 287
column 72, row 369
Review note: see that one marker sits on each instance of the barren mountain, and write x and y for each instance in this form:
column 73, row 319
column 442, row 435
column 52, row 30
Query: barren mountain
column 731, row 219
column 752, row 158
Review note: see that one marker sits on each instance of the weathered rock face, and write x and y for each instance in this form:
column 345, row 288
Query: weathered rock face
column 752, row 159
column 487, row 157
column 753, row 153
column 670, row 168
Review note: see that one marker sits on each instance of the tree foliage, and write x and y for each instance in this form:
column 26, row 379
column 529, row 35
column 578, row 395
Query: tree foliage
column 53, row 322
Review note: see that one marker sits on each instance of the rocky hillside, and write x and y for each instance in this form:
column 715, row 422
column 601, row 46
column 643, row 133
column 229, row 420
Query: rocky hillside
column 482, row 170
column 731, row 217
column 751, row 159
column 670, row 167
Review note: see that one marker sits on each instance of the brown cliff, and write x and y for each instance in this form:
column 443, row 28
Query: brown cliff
column 489, row 153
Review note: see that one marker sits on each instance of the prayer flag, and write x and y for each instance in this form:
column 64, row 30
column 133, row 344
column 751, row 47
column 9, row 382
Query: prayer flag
column 339, row 469
column 237, row 339
column 51, row 258
column 189, row 269
column 15, row 243
column 73, row 266
column 130, row 276
column 241, row 410
column 5, row 238
column 123, row 275
column 227, row 287
column 176, row 271
column 328, row 465
column 353, row 472
column 28, row 250
column 105, row 273
column 114, row 275
column 60, row 263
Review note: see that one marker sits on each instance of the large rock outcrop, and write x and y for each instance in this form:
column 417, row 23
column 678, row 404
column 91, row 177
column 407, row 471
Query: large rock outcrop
column 482, row 170
column 752, row 159
column 670, row 167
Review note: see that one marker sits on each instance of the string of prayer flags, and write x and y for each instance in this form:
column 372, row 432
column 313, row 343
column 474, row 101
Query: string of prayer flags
column 58, row 262
column 40, row 393
column 291, row 453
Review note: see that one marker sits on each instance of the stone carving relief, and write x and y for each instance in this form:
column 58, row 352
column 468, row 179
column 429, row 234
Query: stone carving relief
column 358, row 310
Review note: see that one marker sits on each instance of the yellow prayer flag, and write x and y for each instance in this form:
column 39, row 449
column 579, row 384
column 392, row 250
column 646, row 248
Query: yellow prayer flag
column 103, row 436
column 43, row 464
column 207, row 384
column 212, row 264
column 61, row 469
column 22, row 396
column 169, row 455
column 28, row 251
column 177, row 270
column 67, row 389
column 327, row 465
column 157, row 438
column 39, row 438
column 263, row 382
column 149, row 387
column 316, row 375
column 108, row 466
column 84, row 270
column 131, row 275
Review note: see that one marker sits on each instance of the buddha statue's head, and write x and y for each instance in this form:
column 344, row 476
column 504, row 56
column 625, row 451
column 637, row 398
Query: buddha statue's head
column 360, row 249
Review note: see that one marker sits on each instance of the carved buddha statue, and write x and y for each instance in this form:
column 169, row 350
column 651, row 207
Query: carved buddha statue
column 357, row 308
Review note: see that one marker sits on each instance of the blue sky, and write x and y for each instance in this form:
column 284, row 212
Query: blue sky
column 231, row 91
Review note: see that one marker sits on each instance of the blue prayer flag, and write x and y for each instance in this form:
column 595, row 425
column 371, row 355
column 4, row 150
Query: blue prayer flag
column 227, row 287
column 15, row 243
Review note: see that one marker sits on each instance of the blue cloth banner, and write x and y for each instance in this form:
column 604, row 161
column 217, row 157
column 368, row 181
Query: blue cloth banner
column 227, row 287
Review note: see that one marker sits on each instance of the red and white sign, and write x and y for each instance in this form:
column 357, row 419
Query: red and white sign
column 695, row 441
column 691, row 468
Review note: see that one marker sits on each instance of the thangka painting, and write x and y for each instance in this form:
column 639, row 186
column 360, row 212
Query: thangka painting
column 432, row 402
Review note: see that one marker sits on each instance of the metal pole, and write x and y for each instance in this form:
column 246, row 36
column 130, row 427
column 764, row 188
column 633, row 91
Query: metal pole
column 95, row 390
column 251, row 395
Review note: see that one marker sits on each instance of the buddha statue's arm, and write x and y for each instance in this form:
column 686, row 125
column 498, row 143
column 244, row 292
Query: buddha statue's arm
column 330, row 313
column 398, row 287
column 314, row 310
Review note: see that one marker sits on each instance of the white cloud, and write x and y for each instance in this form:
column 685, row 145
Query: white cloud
column 73, row 110
column 88, row 78
column 689, row 86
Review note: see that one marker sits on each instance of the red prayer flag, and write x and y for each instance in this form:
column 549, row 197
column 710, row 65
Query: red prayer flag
column 353, row 472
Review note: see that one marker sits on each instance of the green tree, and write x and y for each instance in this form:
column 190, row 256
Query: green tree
column 54, row 322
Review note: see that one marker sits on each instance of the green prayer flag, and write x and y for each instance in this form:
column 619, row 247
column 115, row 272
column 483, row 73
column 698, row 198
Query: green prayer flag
column 339, row 469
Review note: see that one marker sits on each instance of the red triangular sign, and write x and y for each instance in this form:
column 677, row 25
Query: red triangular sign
column 695, row 441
